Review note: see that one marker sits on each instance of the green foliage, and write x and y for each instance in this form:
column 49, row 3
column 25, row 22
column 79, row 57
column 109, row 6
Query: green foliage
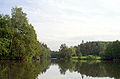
column 80, row 56
column 4, row 46
column 91, row 57
column 18, row 39
column 54, row 54
column 113, row 50
column 91, row 48
column 65, row 52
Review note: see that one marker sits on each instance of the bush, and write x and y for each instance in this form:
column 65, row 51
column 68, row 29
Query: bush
column 80, row 56
column 91, row 57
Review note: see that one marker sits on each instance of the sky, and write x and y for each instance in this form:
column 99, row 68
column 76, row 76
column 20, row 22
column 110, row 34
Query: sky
column 70, row 21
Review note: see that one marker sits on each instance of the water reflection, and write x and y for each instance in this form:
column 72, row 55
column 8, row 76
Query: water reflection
column 92, row 68
column 83, row 70
column 22, row 70
column 60, row 70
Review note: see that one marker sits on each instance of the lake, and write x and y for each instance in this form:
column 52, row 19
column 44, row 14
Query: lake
column 55, row 69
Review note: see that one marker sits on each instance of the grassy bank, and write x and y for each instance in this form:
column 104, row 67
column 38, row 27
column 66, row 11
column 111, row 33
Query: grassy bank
column 89, row 57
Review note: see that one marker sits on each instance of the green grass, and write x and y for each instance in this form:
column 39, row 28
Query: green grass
column 98, row 58
column 89, row 57
column 76, row 57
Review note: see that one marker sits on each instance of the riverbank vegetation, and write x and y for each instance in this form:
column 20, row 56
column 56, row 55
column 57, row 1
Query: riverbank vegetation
column 95, row 50
column 18, row 39
column 89, row 57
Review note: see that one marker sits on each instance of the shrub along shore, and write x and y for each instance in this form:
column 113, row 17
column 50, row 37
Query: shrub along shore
column 94, row 50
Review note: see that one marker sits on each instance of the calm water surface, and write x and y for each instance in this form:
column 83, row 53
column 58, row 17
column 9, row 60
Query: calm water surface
column 53, row 69
column 54, row 73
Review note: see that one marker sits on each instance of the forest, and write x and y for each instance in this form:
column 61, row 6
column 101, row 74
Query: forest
column 90, row 50
column 18, row 39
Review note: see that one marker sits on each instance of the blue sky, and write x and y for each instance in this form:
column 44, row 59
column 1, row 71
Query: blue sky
column 70, row 21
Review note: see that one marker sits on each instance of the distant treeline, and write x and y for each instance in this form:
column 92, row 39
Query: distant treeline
column 105, row 50
column 18, row 39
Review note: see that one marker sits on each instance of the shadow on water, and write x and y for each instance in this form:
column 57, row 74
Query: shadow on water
column 24, row 70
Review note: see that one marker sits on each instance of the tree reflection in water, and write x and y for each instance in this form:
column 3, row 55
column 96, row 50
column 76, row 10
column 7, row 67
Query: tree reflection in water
column 91, row 68
column 22, row 70
column 68, row 69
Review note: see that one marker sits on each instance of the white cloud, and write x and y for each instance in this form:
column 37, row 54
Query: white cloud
column 70, row 21
column 59, row 22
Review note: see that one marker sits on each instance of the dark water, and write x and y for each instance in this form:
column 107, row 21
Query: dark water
column 53, row 69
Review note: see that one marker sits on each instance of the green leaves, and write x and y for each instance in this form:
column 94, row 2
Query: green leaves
column 65, row 52
column 18, row 39
column 4, row 46
column 113, row 50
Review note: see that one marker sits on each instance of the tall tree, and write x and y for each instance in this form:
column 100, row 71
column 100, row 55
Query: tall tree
column 18, row 39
